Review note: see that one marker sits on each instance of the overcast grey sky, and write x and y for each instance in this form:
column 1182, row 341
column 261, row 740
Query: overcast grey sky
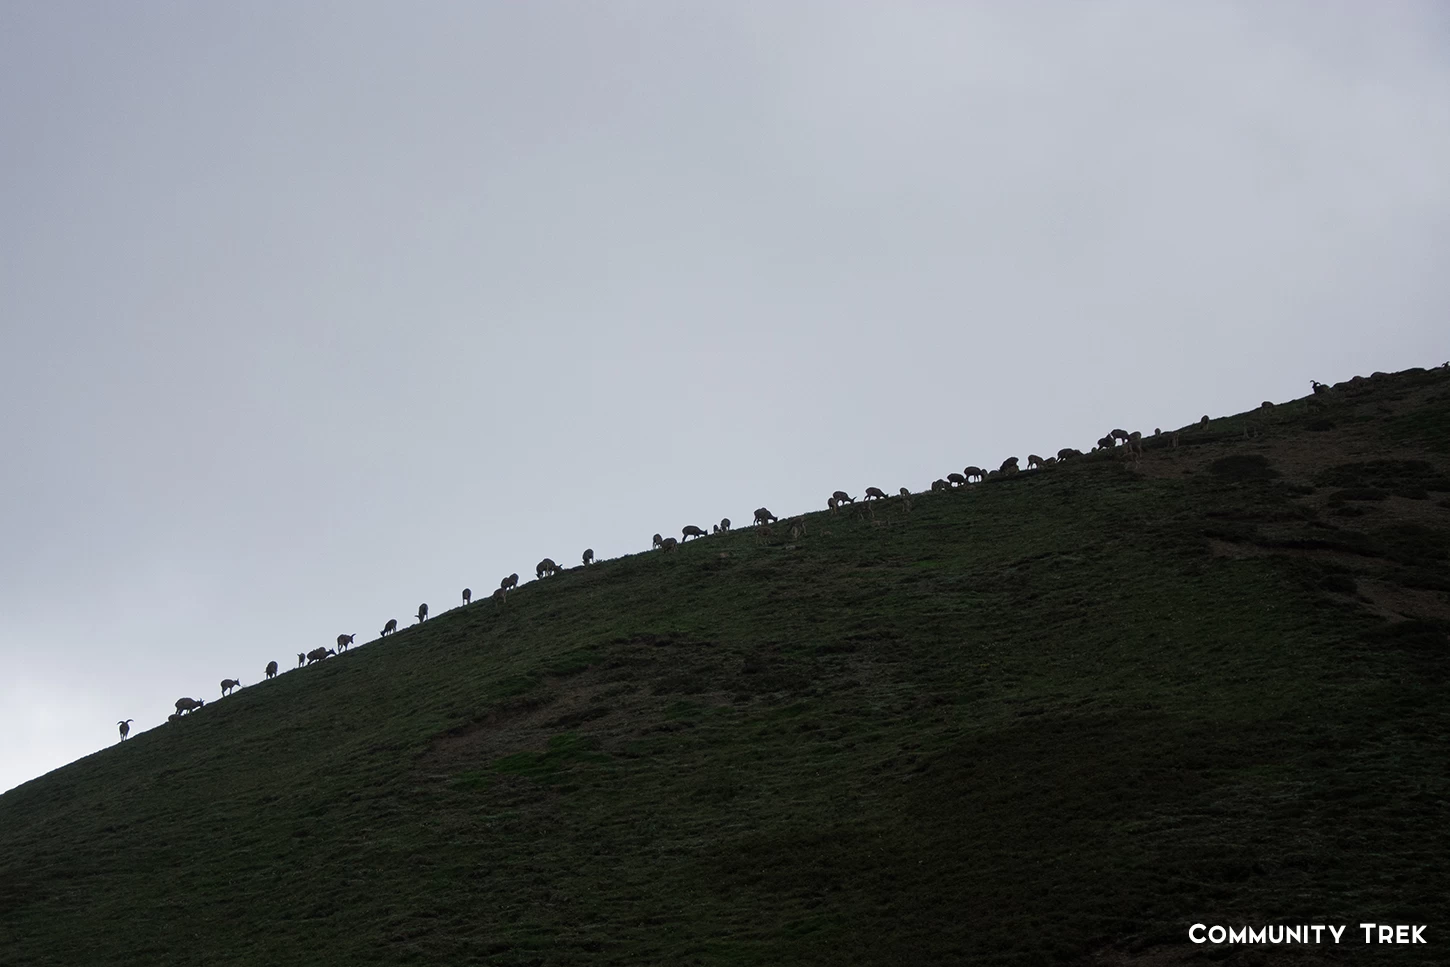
column 313, row 311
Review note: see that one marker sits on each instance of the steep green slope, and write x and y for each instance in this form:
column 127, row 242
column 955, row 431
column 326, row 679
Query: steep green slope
column 1058, row 716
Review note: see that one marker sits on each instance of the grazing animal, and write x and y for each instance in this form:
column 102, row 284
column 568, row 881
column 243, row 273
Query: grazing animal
column 1157, row 431
column 301, row 659
column 271, row 669
column 319, row 654
column 1266, row 405
column 1203, row 423
column 545, row 568
column 905, row 493
column 843, row 498
column 510, row 582
column 467, row 595
column 690, row 530
column 1119, row 436
column 874, row 493
column 714, row 529
column 763, row 516
column 1009, row 466
column 1318, row 387
column 125, row 728
column 422, row 613
column 343, row 641
column 956, row 480
column 1066, row 453
column 994, row 474
column 390, row 628
column 658, row 540
column 832, row 504
column 724, row 524
column 668, row 544
column 977, row 472
column 227, row 685
column 940, row 484
column 1050, row 462
column 184, row 705
column 588, row 556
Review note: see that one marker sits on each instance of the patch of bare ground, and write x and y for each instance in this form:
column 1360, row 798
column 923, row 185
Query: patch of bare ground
column 594, row 703
column 1396, row 603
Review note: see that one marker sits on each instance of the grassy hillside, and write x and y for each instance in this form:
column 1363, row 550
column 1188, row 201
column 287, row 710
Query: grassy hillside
column 1054, row 717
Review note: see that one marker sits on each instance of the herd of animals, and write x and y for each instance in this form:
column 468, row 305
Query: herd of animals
column 1127, row 444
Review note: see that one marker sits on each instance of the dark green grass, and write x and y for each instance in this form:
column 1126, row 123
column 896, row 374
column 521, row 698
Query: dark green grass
column 1026, row 723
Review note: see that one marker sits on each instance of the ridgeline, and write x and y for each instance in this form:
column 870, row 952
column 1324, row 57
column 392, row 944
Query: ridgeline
column 1053, row 717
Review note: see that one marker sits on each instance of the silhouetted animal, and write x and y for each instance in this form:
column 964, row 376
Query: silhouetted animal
column 545, row 568
column 690, row 530
column 319, row 654
column 1119, row 435
column 724, row 524
column 343, row 641
column 125, row 728
column 668, row 544
column 588, row 556
column 843, row 498
column 1033, row 460
column 510, row 582
column 271, row 669
column 956, row 480
column 184, row 705
column 874, row 493
column 422, row 613
column 390, row 628
column 1203, row 423
column 301, row 659
column 658, row 540
column 971, row 472
column 940, row 484
column 467, row 596
column 763, row 516
column 227, row 685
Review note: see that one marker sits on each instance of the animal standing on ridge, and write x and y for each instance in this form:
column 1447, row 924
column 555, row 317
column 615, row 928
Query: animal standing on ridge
column 227, row 685
column 125, row 728
column 271, row 669
column 343, row 641
column 301, row 659
column 588, row 556
column 546, row 568
column 874, row 493
column 843, row 498
column 658, row 540
column 390, row 628
column 319, row 654
column 467, row 596
column 184, row 705
column 724, row 524
column 510, row 582
column 689, row 531
column 422, row 613
column 764, row 516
